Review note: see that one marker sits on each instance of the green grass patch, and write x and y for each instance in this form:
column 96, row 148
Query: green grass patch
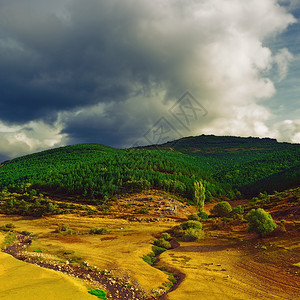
column 98, row 293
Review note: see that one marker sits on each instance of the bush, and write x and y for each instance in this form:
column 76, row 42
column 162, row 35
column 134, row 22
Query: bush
column 98, row 231
column 260, row 221
column 166, row 236
column 191, row 224
column 194, row 217
column 222, row 209
column 203, row 216
column 150, row 258
column 158, row 250
column 162, row 243
column 192, row 234
column 239, row 210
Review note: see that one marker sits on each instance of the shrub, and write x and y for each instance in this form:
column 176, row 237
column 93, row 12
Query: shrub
column 158, row 250
column 98, row 231
column 203, row 216
column 194, row 217
column 150, row 258
column 260, row 221
column 162, row 243
column 192, row 234
column 191, row 224
column 99, row 293
column 222, row 209
column 166, row 236
column 239, row 210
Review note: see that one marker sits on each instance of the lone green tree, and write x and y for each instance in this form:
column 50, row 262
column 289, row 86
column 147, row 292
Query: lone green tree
column 260, row 221
column 199, row 195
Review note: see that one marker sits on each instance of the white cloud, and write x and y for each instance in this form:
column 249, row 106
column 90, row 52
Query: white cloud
column 34, row 136
column 283, row 58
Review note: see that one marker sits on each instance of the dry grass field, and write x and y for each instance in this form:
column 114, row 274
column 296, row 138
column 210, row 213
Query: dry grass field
column 19, row 280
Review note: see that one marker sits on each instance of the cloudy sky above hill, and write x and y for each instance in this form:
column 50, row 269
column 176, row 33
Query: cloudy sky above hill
column 117, row 72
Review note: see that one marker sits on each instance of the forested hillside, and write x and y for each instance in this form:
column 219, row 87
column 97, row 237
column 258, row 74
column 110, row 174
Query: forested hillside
column 225, row 165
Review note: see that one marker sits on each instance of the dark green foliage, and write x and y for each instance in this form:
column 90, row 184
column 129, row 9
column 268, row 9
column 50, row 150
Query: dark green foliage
column 162, row 243
column 98, row 231
column 203, row 216
column 223, row 165
column 98, row 172
column 191, row 224
column 99, row 293
column 158, row 250
column 222, row 209
column 260, row 221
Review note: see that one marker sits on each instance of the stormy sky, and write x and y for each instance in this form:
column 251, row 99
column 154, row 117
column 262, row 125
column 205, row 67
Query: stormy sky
column 127, row 72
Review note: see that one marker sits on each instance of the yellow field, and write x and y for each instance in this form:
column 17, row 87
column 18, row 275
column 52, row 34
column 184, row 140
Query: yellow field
column 218, row 269
column 19, row 280
column 120, row 251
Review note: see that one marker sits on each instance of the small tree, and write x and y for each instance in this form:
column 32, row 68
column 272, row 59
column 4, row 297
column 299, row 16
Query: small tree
column 199, row 195
column 260, row 221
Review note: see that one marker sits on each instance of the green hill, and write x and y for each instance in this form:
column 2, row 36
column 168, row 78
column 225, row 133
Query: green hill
column 224, row 164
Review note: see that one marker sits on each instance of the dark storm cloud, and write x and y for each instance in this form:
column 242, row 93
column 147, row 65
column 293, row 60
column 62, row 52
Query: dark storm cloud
column 49, row 64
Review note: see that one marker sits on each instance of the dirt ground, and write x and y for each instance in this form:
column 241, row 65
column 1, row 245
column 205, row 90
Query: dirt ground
column 228, row 264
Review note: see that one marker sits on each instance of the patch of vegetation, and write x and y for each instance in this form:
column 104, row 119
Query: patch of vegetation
column 10, row 238
column 64, row 229
column 98, row 293
column 162, row 243
column 38, row 251
column 260, row 221
column 158, row 250
column 194, row 217
column 222, row 209
column 166, row 236
column 192, row 234
column 203, row 216
column 297, row 264
column 7, row 227
column 149, row 258
column 98, row 230
column 144, row 210
column 189, row 231
column 191, row 224
column 239, row 210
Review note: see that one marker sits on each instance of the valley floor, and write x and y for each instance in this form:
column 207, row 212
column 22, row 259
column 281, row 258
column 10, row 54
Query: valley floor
column 227, row 264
